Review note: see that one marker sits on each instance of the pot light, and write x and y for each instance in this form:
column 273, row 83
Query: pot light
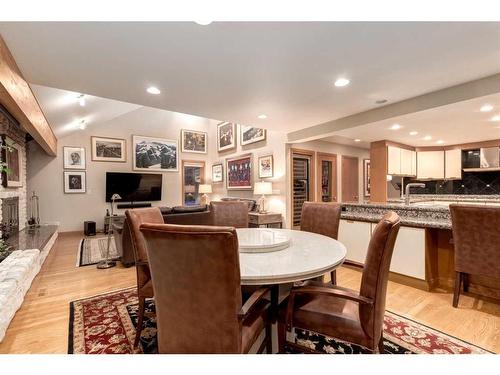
column 357, row 140
column 486, row 108
column 395, row 127
column 341, row 82
column 203, row 22
column 495, row 118
column 413, row 133
column 440, row 142
column 262, row 117
column 153, row 90
column 427, row 138
column 81, row 100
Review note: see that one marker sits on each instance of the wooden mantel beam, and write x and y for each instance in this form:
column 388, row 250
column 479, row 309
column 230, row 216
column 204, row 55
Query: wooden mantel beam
column 17, row 97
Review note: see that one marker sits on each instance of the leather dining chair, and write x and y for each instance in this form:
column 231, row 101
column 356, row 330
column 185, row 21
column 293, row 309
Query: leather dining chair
column 229, row 213
column 476, row 238
column 196, row 278
column 340, row 312
column 135, row 218
column 322, row 218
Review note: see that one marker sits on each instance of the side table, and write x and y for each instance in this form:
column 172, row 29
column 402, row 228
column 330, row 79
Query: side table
column 269, row 219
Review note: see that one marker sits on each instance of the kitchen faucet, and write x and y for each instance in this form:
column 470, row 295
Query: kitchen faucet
column 413, row 184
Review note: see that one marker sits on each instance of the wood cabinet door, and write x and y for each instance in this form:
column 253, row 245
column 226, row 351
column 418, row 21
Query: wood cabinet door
column 350, row 179
column 407, row 162
column 393, row 160
column 453, row 164
column 430, row 165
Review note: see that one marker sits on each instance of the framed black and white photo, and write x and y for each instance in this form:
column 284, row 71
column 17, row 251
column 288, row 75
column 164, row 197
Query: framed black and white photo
column 109, row 149
column 251, row 135
column 74, row 182
column 266, row 166
column 217, row 173
column 13, row 161
column 155, row 154
column 194, row 141
column 74, row 157
column 366, row 177
column 226, row 136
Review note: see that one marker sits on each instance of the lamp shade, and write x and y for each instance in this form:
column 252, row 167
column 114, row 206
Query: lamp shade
column 205, row 189
column 263, row 188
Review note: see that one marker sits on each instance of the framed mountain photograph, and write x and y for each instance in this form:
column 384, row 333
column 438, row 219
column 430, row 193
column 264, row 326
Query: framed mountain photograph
column 251, row 135
column 108, row 149
column 154, row 154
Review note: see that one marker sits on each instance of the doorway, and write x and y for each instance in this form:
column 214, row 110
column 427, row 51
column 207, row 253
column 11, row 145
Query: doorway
column 327, row 177
column 302, row 169
column 350, row 179
column 193, row 174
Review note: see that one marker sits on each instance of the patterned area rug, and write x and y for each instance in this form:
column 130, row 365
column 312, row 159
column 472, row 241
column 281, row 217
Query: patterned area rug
column 93, row 250
column 106, row 324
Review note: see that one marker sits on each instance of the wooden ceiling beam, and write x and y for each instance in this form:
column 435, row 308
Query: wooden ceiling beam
column 16, row 96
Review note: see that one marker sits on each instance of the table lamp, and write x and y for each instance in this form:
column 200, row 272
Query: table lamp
column 106, row 262
column 263, row 188
column 204, row 189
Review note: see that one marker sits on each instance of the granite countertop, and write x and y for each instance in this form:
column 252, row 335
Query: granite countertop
column 405, row 221
column 32, row 238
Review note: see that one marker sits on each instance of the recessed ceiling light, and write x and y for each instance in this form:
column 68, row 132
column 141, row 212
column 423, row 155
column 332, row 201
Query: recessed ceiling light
column 153, row 90
column 413, row 133
column 203, row 22
column 381, row 101
column 357, row 140
column 262, row 117
column 440, row 142
column 495, row 118
column 82, row 124
column 395, row 127
column 427, row 138
column 81, row 100
column 486, row 108
column 341, row 82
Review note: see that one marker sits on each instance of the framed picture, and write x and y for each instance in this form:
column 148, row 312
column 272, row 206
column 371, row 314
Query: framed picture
column 108, row 149
column 239, row 173
column 226, row 136
column 251, row 135
column 74, row 182
column 217, row 173
column 366, row 177
column 266, row 166
column 194, row 141
column 13, row 159
column 74, row 157
column 155, row 154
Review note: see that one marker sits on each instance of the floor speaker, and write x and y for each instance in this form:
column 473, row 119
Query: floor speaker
column 89, row 228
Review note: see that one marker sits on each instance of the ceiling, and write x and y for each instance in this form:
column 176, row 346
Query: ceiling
column 236, row 71
column 457, row 123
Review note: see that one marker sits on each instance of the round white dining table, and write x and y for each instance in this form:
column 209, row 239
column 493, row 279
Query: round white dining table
column 307, row 255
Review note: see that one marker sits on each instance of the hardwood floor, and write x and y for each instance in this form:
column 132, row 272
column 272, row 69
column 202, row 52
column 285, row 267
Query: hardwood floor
column 41, row 325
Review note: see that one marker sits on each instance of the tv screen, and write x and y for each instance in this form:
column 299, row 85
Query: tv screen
column 133, row 187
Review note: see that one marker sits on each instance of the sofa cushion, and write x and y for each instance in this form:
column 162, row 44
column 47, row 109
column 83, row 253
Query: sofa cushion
column 166, row 210
column 186, row 209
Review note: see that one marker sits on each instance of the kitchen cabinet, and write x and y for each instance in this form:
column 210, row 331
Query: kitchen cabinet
column 408, row 257
column 400, row 161
column 355, row 235
column 453, row 164
column 430, row 165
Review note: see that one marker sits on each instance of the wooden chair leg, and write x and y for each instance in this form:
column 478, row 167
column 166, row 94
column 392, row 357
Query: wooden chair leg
column 333, row 276
column 281, row 337
column 381, row 349
column 140, row 317
column 466, row 282
column 456, row 293
column 269, row 339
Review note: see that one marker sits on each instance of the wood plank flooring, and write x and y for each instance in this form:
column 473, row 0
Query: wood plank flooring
column 41, row 325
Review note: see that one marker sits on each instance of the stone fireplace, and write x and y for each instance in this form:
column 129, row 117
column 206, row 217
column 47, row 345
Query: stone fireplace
column 13, row 207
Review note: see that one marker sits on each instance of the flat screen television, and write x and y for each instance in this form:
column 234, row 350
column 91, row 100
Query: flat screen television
column 133, row 187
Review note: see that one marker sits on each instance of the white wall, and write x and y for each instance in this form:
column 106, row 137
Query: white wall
column 45, row 173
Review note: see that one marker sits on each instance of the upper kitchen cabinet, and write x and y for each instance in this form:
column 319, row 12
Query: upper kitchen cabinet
column 453, row 164
column 400, row 161
column 430, row 165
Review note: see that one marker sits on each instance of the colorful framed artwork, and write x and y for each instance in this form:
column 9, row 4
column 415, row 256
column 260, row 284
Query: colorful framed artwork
column 250, row 135
column 109, row 149
column 217, row 173
column 239, row 173
column 154, row 154
column 266, row 166
column 226, row 136
column 74, row 182
column 193, row 141
column 74, row 157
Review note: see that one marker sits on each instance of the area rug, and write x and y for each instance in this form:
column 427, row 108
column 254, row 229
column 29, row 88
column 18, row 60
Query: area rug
column 106, row 324
column 93, row 250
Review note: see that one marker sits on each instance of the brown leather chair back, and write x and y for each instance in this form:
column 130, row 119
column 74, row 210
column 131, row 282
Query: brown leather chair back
column 135, row 218
column 229, row 213
column 376, row 273
column 476, row 236
column 321, row 218
column 196, row 281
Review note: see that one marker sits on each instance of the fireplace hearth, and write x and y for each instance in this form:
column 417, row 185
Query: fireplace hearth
column 10, row 216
